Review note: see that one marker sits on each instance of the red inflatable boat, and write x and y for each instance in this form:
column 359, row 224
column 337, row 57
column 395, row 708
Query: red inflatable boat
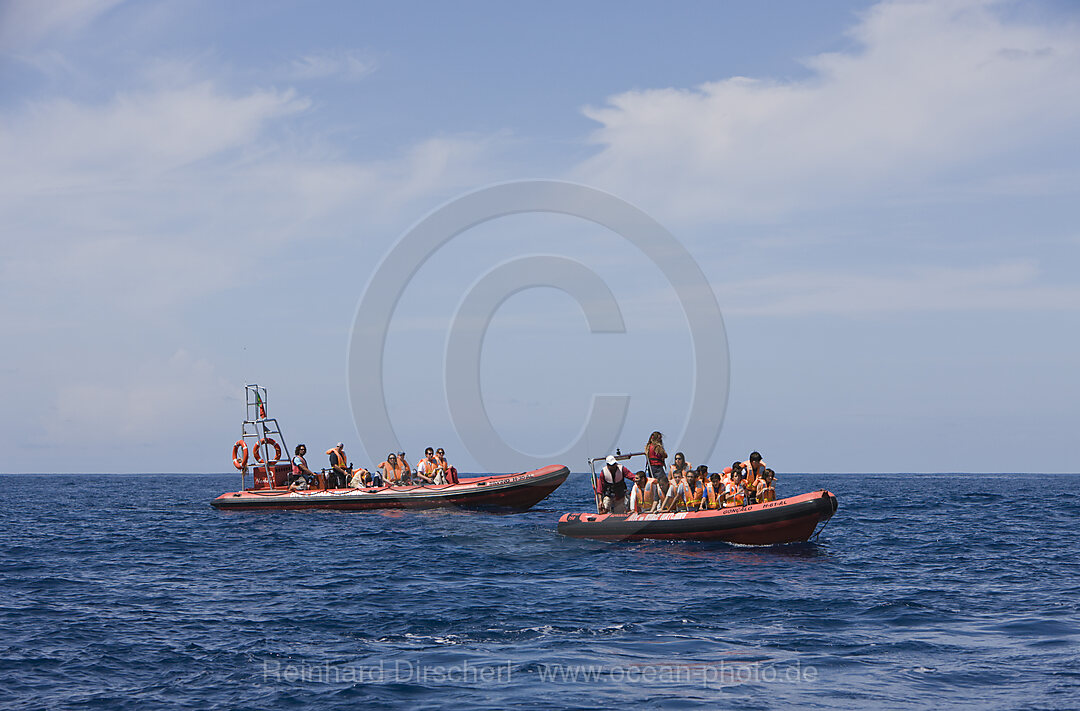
column 509, row 491
column 783, row 521
column 260, row 435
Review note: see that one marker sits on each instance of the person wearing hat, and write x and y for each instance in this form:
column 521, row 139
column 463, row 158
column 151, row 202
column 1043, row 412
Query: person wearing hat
column 611, row 486
column 339, row 467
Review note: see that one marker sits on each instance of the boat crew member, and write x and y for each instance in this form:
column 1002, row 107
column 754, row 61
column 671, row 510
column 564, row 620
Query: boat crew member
column 657, row 457
column 302, row 477
column 451, row 472
column 339, row 467
column 644, row 495
column 612, row 486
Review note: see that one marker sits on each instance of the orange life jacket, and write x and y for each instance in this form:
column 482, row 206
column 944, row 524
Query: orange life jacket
column 644, row 498
column 752, row 473
column 337, row 459
column 733, row 495
column 692, row 496
column 714, row 497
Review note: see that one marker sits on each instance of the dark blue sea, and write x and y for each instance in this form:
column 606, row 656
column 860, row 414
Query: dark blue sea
column 926, row 591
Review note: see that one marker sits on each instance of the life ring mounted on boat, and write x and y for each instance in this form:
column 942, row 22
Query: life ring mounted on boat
column 238, row 461
column 259, row 446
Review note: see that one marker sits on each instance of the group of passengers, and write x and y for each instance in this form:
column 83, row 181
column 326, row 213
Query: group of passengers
column 432, row 470
column 681, row 487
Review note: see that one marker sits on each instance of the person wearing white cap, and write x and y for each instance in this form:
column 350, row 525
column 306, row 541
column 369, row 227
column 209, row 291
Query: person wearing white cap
column 611, row 485
column 339, row 467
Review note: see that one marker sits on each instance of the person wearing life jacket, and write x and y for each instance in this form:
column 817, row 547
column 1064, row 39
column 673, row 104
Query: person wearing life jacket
column 754, row 468
column 767, row 487
column 733, row 494
column 339, row 467
column 361, row 477
column 611, row 485
column 663, row 489
column 394, row 471
column 692, row 492
column 680, row 468
column 302, row 477
column 406, row 477
column 644, row 495
column 451, row 472
column 428, row 469
column 714, row 492
column 657, row 457
column 674, row 496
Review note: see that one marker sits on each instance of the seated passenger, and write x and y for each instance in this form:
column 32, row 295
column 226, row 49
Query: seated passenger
column 749, row 486
column 766, row 487
column 408, row 473
column 733, row 494
column 672, row 494
column 361, row 478
column 754, row 468
column 451, row 472
column 679, row 468
column 302, row 477
column 714, row 492
column 611, row 485
column 693, row 492
column 644, row 496
column 394, row 471
column 428, row 470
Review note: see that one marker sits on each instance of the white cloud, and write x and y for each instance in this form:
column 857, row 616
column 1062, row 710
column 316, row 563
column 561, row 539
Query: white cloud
column 349, row 64
column 60, row 145
column 110, row 196
column 1011, row 286
column 935, row 88
column 24, row 23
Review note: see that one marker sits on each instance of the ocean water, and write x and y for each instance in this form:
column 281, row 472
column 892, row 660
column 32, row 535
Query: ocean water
column 131, row 592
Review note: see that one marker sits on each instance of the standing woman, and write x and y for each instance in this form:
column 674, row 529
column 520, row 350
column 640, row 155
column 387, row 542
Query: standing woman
column 654, row 450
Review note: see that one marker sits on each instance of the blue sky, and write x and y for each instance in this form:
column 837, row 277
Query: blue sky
column 882, row 195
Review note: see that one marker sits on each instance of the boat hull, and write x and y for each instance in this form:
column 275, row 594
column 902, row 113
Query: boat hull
column 784, row 521
column 513, row 491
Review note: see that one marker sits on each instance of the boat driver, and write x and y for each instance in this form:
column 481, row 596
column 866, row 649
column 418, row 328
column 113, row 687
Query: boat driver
column 339, row 467
column 612, row 486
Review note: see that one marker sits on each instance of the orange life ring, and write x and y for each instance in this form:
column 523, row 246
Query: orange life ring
column 240, row 462
column 258, row 448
